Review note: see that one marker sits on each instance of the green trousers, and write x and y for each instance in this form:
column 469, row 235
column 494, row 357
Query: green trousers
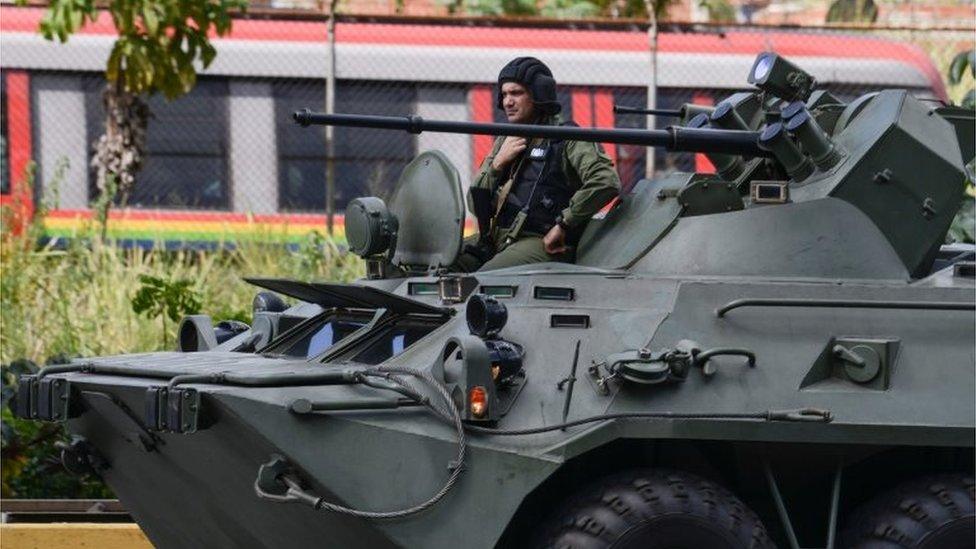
column 528, row 248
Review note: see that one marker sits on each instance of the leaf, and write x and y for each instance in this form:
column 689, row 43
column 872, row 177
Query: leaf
column 172, row 298
column 91, row 10
column 160, row 44
column 57, row 23
column 958, row 66
column 113, row 69
column 75, row 18
column 969, row 101
column 151, row 19
column 142, row 67
column 207, row 54
column 187, row 74
column 46, row 26
column 963, row 228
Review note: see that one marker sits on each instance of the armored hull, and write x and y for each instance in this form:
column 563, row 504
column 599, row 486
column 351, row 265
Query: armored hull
column 188, row 488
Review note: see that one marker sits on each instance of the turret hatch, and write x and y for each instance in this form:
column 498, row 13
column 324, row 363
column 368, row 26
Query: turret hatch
column 429, row 205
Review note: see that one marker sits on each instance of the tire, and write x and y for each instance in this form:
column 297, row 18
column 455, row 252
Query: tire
column 654, row 509
column 934, row 512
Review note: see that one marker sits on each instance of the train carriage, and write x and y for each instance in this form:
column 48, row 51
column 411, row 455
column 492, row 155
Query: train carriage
column 226, row 162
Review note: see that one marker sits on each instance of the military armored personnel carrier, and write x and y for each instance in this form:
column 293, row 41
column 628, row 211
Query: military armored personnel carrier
column 779, row 354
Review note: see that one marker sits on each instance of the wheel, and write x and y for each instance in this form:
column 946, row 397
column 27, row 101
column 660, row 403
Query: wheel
column 654, row 509
column 934, row 512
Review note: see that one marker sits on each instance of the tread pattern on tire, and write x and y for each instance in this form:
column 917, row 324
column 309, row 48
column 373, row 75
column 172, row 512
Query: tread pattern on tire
column 902, row 517
column 603, row 512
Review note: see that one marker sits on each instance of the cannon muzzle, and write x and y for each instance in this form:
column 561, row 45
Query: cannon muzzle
column 673, row 138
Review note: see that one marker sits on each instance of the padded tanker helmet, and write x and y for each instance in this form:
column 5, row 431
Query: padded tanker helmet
column 536, row 77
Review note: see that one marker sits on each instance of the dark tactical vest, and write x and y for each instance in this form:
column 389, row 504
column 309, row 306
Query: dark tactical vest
column 540, row 189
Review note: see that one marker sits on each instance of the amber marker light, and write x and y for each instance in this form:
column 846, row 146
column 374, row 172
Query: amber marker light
column 478, row 401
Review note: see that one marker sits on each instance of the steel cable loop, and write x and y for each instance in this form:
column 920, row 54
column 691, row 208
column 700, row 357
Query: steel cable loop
column 407, row 390
column 456, row 466
column 453, row 416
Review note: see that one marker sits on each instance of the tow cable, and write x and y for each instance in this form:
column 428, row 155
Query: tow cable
column 280, row 483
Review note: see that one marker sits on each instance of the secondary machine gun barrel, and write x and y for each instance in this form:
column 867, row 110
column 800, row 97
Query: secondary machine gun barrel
column 623, row 109
column 673, row 138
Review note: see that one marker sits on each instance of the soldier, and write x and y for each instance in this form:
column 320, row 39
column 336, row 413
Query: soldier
column 534, row 197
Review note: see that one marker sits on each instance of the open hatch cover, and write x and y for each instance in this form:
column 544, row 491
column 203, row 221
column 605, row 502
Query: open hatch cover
column 355, row 296
column 430, row 206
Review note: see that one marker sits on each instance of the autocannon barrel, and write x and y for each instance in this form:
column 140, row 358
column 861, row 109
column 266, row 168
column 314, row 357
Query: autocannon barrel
column 674, row 138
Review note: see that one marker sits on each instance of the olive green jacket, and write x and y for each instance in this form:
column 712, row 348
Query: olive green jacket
column 588, row 170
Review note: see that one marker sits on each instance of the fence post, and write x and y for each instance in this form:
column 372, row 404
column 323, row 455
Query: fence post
column 329, row 130
column 651, row 6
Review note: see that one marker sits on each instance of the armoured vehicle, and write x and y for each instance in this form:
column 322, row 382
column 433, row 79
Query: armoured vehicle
column 777, row 354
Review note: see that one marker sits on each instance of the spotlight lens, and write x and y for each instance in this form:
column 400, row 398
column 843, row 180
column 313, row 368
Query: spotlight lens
column 486, row 315
column 762, row 68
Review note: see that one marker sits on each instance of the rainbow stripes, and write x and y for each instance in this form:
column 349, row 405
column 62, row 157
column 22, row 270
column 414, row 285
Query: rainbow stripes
column 188, row 226
column 175, row 227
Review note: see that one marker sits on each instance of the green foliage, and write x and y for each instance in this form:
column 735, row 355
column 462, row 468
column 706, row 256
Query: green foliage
column 957, row 71
column 557, row 9
column 719, row 11
column 569, row 9
column 158, row 295
column 963, row 227
column 165, row 298
column 75, row 297
column 496, row 7
column 962, row 61
column 103, row 203
column 158, row 42
column 852, row 11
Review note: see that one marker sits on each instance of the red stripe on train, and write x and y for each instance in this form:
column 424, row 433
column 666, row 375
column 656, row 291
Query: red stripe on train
column 20, row 198
column 732, row 42
column 603, row 117
column 482, row 105
column 702, row 163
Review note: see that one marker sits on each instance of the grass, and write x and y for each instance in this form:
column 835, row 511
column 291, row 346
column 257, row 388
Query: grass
column 74, row 298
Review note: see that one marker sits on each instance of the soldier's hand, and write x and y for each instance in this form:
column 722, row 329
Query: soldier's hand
column 555, row 241
column 509, row 151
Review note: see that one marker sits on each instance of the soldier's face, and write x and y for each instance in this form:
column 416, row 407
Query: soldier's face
column 517, row 103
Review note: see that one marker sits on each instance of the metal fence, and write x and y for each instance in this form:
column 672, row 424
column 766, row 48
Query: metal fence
column 227, row 155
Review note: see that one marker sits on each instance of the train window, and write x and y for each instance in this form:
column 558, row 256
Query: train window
column 4, row 138
column 673, row 98
column 301, row 151
column 367, row 162
column 632, row 159
column 186, row 163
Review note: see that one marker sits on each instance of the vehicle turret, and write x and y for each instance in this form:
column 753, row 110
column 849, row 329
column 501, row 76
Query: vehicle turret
column 787, row 145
